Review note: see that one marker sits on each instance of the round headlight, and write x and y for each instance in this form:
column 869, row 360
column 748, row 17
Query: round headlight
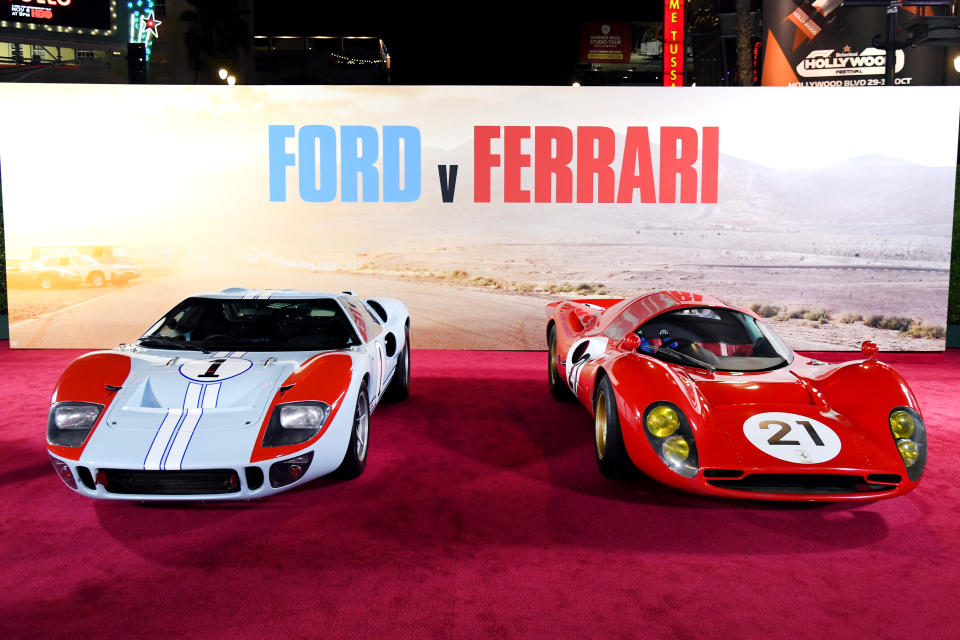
column 908, row 451
column 902, row 424
column 663, row 421
column 676, row 449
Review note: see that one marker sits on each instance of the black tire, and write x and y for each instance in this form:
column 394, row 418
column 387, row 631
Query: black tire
column 96, row 279
column 355, row 460
column 399, row 387
column 46, row 282
column 612, row 458
column 558, row 387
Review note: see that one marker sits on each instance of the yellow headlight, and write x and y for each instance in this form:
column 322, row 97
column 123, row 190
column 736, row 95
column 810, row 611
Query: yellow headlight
column 663, row 421
column 908, row 451
column 902, row 424
column 676, row 449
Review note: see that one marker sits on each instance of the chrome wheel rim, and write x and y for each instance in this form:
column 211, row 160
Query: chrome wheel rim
column 600, row 424
column 362, row 428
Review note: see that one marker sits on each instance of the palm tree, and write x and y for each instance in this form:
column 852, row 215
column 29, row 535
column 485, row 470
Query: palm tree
column 218, row 31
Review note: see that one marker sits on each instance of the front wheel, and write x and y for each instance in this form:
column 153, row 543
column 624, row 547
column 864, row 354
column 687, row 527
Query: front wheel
column 355, row 460
column 96, row 279
column 612, row 458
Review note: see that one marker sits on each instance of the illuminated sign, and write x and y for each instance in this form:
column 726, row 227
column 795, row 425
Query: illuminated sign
column 673, row 24
column 605, row 42
column 78, row 14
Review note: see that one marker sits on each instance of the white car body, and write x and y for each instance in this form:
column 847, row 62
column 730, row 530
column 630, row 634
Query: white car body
column 182, row 410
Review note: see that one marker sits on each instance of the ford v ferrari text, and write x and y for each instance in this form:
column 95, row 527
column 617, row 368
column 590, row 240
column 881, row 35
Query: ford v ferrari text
column 235, row 394
column 702, row 396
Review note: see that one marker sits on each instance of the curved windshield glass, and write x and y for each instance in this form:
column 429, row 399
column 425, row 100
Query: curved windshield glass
column 211, row 324
column 716, row 338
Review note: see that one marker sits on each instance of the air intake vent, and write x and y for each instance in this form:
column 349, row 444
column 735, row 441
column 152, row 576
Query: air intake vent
column 171, row 483
column 254, row 478
column 815, row 483
column 722, row 473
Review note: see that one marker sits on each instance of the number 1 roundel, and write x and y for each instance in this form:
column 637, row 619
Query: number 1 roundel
column 214, row 369
column 792, row 437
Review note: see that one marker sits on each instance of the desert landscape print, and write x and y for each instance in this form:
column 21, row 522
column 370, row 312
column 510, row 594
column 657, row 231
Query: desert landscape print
column 477, row 275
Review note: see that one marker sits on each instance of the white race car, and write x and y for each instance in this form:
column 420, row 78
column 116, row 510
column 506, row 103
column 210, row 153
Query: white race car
column 231, row 395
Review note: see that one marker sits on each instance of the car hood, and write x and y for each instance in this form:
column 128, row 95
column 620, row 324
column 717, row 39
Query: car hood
column 781, row 421
column 232, row 391
column 779, row 386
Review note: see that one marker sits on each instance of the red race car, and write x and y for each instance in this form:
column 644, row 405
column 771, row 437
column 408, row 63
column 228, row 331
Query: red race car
column 702, row 396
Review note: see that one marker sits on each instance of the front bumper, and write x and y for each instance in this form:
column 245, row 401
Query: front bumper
column 240, row 482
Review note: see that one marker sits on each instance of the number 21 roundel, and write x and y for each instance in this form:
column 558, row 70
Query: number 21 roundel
column 791, row 437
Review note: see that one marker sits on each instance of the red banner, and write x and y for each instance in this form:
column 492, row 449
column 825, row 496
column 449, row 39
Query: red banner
column 673, row 24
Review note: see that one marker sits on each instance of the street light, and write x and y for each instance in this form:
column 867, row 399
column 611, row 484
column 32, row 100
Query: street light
column 231, row 80
column 223, row 73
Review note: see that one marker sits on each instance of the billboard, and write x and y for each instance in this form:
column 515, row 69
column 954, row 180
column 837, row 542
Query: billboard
column 479, row 205
column 86, row 14
column 821, row 43
column 605, row 42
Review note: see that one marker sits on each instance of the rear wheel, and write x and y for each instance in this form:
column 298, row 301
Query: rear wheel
column 400, row 383
column 612, row 458
column 355, row 459
column 558, row 388
column 46, row 282
column 96, row 279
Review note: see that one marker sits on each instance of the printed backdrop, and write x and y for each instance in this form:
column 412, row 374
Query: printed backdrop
column 478, row 205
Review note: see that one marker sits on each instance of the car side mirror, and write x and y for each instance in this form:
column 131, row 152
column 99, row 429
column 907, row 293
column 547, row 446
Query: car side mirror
column 630, row 342
column 869, row 349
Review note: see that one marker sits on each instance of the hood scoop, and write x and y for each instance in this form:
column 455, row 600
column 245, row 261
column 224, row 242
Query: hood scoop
column 770, row 387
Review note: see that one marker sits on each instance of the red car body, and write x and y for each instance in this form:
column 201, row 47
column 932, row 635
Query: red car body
column 755, row 434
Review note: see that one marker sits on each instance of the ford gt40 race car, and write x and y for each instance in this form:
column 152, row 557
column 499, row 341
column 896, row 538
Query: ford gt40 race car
column 702, row 396
column 235, row 394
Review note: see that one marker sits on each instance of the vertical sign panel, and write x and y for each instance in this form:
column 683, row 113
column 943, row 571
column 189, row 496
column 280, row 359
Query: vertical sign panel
column 673, row 23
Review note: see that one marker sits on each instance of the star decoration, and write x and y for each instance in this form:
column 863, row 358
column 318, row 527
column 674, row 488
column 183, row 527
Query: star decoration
column 846, row 48
column 149, row 24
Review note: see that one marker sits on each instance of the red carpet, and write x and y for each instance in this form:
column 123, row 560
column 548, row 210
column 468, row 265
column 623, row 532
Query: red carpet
column 481, row 514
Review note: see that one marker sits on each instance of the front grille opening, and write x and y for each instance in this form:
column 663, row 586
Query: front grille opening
column 86, row 478
column 891, row 478
column 171, row 483
column 722, row 473
column 815, row 483
column 254, row 478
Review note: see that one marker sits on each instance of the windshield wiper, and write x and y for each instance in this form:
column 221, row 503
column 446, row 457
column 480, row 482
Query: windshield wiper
column 677, row 354
column 171, row 342
column 647, row 346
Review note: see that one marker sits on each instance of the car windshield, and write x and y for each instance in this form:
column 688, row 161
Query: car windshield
column 723, row 339
column 213, row 324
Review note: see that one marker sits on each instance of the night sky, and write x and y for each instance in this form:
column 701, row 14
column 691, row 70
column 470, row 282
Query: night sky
column 484, row 44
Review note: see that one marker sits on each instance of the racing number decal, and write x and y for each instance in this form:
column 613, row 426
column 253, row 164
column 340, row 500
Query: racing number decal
column 585, row 350
column 792, row 438
column 214, row 369
column 211, row 371
column 777, row 438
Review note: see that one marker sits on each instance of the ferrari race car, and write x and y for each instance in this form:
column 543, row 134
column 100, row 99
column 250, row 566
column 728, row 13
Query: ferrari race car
column 702, row 396
column 231, row 395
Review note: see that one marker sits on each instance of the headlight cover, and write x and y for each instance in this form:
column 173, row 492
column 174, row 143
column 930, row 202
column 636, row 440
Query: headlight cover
column 69, row 423
column 295, row 423
column 669, row 433
column 910, row 436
